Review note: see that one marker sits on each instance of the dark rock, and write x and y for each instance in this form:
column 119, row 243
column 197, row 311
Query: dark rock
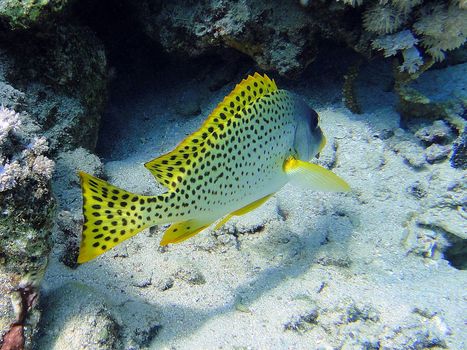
column 436, row 153
column 459, row 152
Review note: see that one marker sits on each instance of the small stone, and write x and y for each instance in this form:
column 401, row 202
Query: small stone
column 191, row 276
column 412, row 153
column 386, row 134
column 364, row 313
column 143, row 283
column 303, row 322
column 417, row 190
column 436, row 153
column 439, row 132
column 165, row 284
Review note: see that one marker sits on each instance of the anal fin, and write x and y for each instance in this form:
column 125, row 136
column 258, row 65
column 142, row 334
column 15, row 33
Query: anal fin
column 243, row 211
column 181, row 231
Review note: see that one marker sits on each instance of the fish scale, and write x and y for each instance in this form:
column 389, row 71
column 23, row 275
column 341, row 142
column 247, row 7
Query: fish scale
column 248, row 148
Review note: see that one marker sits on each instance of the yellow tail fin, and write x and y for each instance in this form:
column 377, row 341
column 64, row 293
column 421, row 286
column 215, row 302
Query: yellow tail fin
column 112, row 215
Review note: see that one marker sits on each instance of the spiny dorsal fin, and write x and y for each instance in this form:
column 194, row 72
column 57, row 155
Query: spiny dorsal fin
column 171, row 168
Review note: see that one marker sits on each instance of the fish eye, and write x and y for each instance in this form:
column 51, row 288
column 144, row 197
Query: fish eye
column 314, row 118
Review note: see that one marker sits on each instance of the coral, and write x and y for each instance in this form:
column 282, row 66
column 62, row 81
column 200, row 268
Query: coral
column 442, row 28
column 20, row 14
column 293, row 40
column 412, row 60
column 423, row 30
column 438, row 28
column 392, row 44
column 405, row 6
column 352, row 2
column 27, row 211
column 383, row 19
column 404, row 42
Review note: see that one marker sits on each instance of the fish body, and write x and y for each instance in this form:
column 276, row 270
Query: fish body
column 254, row 142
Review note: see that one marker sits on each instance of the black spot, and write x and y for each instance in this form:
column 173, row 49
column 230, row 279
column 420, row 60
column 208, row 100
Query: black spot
column 123, row 204
column 98, row 222
column 96, row 244
column 104, row 247
column 99, row 199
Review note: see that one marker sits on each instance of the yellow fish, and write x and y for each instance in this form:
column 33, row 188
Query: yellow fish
column 254, row 142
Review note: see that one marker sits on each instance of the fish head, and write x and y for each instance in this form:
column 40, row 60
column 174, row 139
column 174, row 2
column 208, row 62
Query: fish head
column 309, row 139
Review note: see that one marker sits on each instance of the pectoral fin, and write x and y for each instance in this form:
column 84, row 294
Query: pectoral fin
column 312, row 176
column 243, row 211
column 181, row 231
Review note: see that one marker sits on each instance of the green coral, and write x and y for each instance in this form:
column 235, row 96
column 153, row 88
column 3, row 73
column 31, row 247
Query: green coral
column 25, row 13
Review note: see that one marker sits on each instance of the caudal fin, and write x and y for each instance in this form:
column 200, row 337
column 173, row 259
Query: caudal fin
column 111, row 215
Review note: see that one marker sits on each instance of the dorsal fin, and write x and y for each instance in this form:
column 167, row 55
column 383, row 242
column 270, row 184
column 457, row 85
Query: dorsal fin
column 170, row 169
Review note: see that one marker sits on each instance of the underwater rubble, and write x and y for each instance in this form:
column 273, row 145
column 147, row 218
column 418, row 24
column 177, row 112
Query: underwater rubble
column 103, row 87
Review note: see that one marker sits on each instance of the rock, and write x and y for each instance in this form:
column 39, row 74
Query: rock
column 439, row 132
column 412, row 153
column 190, row 275
column 77, row 317
column 25, row 14
column 63, row 75
column 302, row 322
column 164, row 284
column 195, row 28
column 66, row 183
column 362, row 313
column 27, row 210
column 436, row 153
column 459, row 152
column 417, row 189
column 422, row 98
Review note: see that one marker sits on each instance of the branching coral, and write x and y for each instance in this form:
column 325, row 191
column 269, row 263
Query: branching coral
column 404, row 42
column 9, row 121
column 442, row 28
column 412, row 60
column 437, row 28
column 383, row 19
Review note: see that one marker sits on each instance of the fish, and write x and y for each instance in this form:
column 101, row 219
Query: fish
column 258, row 139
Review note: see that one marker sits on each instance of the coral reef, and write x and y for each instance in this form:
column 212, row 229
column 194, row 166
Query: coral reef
column 416, row 31
column 195, row 28
column 63, row 76
column 27, row 209
column 20, row 14
column 52, row 90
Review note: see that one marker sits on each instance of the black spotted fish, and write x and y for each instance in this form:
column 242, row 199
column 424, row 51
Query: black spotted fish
column 254, row 142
